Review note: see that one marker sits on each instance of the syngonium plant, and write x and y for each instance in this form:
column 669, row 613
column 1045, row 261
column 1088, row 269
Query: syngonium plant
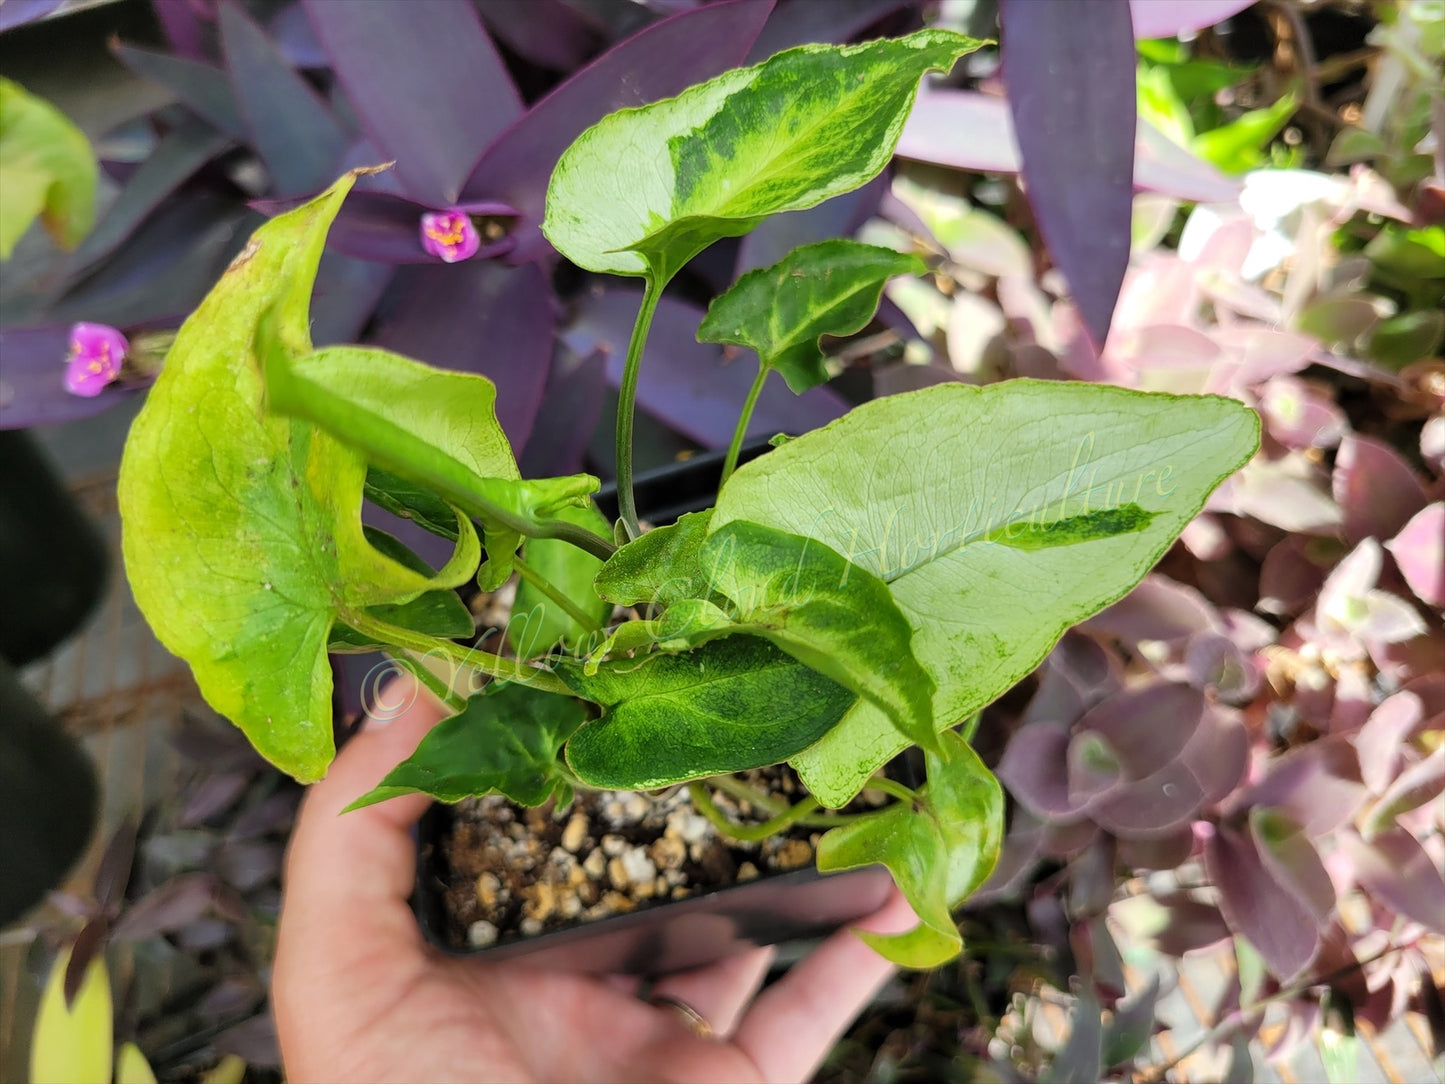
column 860, row 589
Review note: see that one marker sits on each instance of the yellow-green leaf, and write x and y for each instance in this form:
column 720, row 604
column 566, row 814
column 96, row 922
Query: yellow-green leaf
column 47, row 169
column 72, row 1044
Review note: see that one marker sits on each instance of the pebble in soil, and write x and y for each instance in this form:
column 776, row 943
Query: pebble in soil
column 513, row 872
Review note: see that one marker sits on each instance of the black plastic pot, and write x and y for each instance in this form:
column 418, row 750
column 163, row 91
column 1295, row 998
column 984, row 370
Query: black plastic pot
column 52, row 557
column 675, row 935
column 47, row 799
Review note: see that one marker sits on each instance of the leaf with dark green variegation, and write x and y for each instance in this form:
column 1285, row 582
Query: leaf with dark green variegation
column 438, row 612
column 659, row 568
column 505, row 741
column 544, row 624
column 241, row 530
column 924, row 489
column 407, row 500
column 644, row 190
column 732, row 704
column 939, row 850
column 687, row 623
column 830, row 615
column 781, row 312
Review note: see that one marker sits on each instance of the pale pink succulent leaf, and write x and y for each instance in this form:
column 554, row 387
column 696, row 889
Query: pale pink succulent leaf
column 1419, row 552
column 1375, row 488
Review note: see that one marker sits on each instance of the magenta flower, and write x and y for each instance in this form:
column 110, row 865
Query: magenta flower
column 96, row 354
column 449, row 235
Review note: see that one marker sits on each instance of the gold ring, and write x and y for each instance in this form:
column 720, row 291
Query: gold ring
column 695, row 1021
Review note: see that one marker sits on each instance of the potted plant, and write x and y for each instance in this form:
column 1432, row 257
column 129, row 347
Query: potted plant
column 859, row 590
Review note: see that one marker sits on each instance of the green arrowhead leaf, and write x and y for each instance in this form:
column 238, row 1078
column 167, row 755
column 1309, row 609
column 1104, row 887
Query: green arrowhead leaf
column 505, row 741
column 661, row 567
column 242, row 531
column 438, row 612
column 828, row 288
column 571, row 571
column 433, row 426
column 687, row 623
column 644, row 190
column 732, row 704
column 47, row 169
column 939, row 850
column 834, row 617
column 921, row 488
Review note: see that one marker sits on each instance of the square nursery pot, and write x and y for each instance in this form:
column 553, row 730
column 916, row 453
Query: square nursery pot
column 667, row 935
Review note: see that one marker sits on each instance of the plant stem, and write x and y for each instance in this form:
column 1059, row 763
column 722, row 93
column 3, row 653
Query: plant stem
column 435, row 685
column 703, row 803
column 735, row 448
column 627, row 402
column 540, row 582
column 889, row 786
column 580, row 537
column 428, row 646
column 736, row 788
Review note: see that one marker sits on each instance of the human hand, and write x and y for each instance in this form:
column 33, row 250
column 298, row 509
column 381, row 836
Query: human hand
column 359, row 995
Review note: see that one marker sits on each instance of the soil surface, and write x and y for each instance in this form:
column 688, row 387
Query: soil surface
column 512, row 872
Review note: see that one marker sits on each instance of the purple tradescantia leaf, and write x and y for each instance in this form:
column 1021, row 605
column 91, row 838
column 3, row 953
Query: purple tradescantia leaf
column 1317, row 785
column 176, row 903
column 15, row 13
column 547, row 32
column 176, row 158
column 1280, row 928
column 690, row 385
column 1080, row 1059
column 1293, row 862
column 1034, row 768
column 1147, row 725
column 480, row 317
column 1218, row 753
column 837, row 217
column 427, row 84
column 1299, row 417
column 1375, row 488
column 1217, row 664
column 182, row 25
column 1290, row 577
column 1156, row 804
column 202, row 88
column 1169, row 850
column 291, row 128
column 344, row 297
column 1400, row 873
column 1155, row 20
column 575, row 393
column 968, row 130
column 1350, row 605
column 386, row 228
column 1419, row 552
column 1077, row 150
column 32, row 389
column 1068, row 840
column 660, row 61
column 296, row 37
column 1093, row 768
column 804, row 22
column 1158, row 609
column 1421, row 782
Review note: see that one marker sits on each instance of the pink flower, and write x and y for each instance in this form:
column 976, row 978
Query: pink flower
column 96, row 353
column 449, row 235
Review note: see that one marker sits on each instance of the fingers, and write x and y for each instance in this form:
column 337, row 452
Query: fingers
column 720, row 991
column 348, row 875
column 795, row 1022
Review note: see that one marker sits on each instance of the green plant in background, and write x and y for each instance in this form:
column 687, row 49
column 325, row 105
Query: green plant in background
column 47, row 171
column 72, row 1042
column 1177, row 93
column 861, row 589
